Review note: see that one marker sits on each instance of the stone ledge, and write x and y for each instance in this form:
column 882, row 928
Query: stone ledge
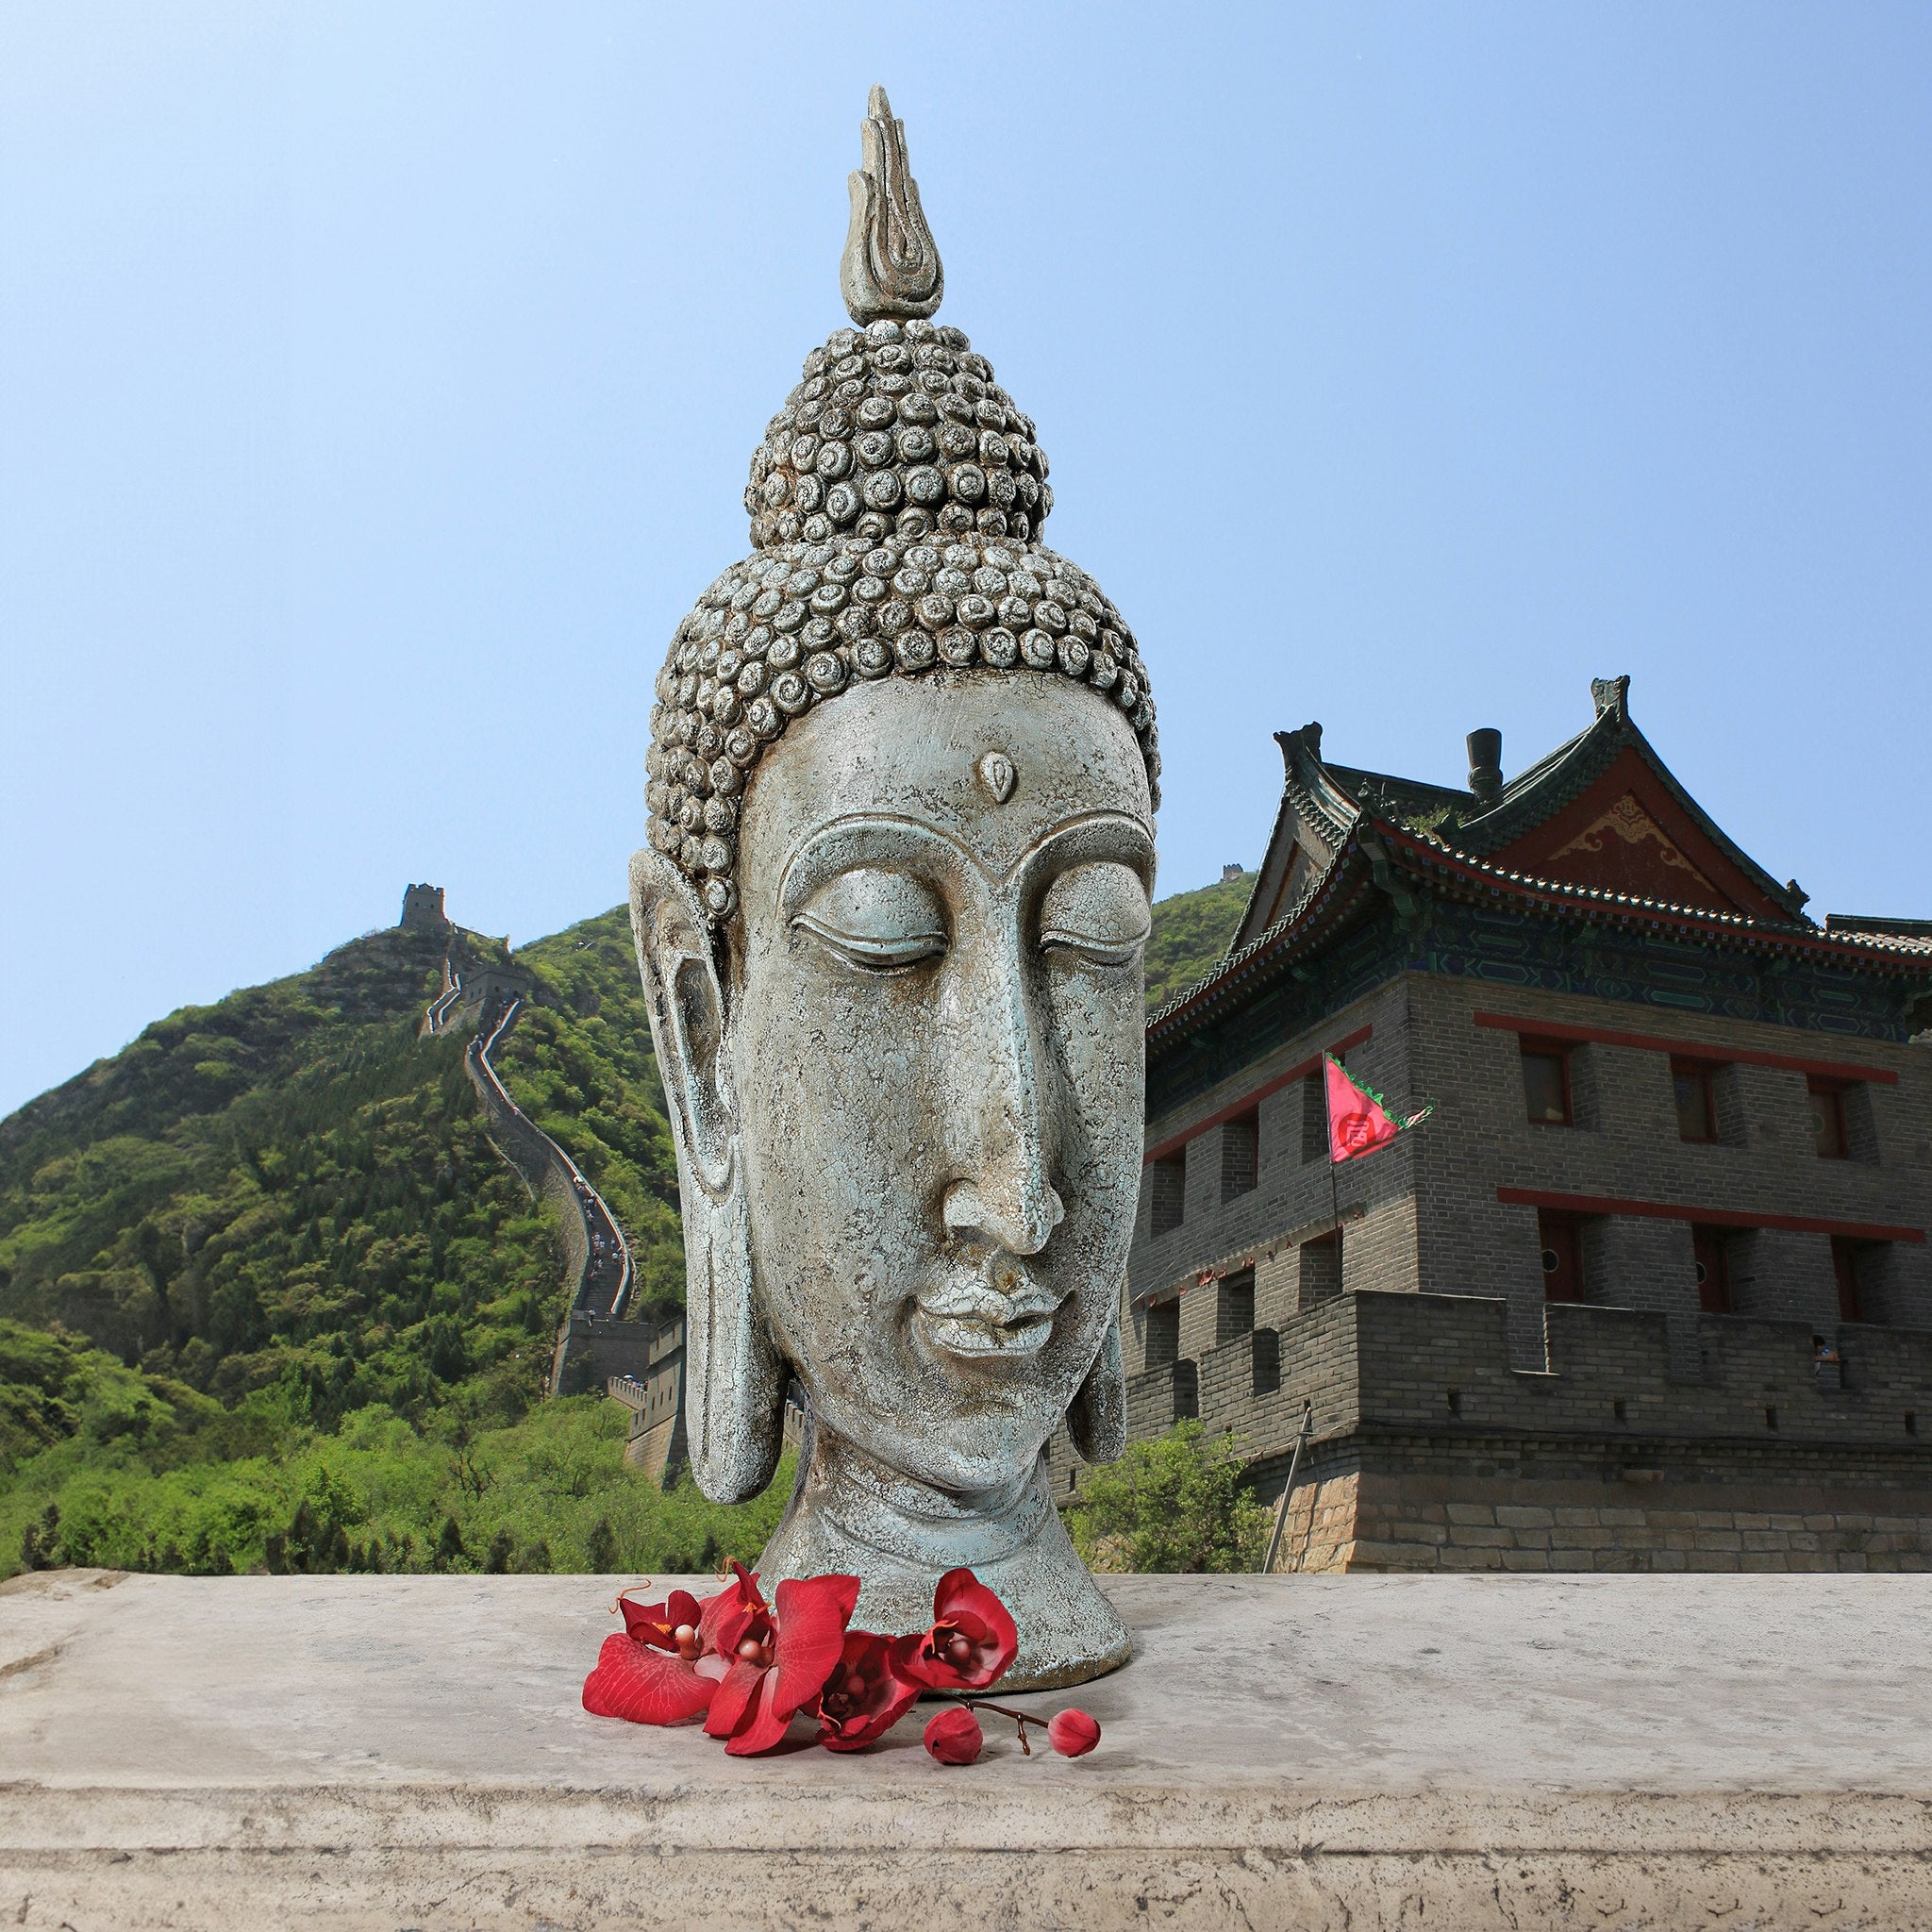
column 1371, row 1751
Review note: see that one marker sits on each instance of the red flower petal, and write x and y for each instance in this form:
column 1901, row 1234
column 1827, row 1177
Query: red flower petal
column 953, row 1736
column 962, row 1594
column 634, row 1681
column 764, row 1725
column 1071, row 1733
column 735, row 1694
column 812, row 1615
column 967, row 1613
column 864, row 1697
column 655, row 1624
column 736, row 1612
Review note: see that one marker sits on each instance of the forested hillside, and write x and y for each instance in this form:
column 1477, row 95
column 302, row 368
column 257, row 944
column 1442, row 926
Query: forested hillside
column 268, row 1296
column 1190, row 933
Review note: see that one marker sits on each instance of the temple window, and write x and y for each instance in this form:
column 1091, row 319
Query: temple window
column 1691, row 1087
column 1560, row 1237
column 1321, row 1269
column 1240, row 1149
column 1168, row 1183
column 1827, row 1099
column 1234, row 1306
column 1713, row 1264
column 1163, row 1335
column 1547, row 1083
column 1314, row 1118
column 1265, row 1361
column 1852, row 1264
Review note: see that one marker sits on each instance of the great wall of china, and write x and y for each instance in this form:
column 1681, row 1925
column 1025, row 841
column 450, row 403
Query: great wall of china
column 638, row 1362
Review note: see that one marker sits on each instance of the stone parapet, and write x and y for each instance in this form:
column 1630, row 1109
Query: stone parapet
column 1765, row 1458
column 1457, row 1752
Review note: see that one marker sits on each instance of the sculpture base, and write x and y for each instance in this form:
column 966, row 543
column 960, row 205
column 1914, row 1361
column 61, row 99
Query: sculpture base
column 1290, row 1751
column 1068, row 1632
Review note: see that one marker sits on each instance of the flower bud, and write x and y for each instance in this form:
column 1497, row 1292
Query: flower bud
column 953, row 1736
column 1072, row 1733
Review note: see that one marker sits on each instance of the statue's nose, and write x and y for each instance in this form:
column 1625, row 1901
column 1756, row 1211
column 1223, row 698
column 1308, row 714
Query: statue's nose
column 1016, row 1219
column 1004, row 1194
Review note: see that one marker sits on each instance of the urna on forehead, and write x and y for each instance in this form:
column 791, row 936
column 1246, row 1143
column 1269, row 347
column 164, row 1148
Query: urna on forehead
column 956, row 755
column 896, row 504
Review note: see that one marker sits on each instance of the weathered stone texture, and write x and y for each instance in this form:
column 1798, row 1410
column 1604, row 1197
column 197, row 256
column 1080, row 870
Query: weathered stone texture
column 1366, row 1750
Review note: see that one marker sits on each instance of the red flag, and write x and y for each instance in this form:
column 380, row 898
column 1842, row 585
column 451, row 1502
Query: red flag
column 1358, row 1119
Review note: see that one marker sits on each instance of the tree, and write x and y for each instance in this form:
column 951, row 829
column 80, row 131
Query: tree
column 1173, row 1503
column 601, row 1546
column 449, row 1545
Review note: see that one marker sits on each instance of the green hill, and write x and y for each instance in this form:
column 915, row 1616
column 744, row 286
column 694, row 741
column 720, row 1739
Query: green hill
column 269, row 1296
column 1190, row 933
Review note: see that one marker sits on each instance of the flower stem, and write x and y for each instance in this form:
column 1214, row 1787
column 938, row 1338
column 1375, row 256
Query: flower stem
column 1020, row 1718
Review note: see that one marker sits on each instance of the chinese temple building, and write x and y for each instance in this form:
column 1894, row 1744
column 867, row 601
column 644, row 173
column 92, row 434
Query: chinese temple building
column 1651, row 1288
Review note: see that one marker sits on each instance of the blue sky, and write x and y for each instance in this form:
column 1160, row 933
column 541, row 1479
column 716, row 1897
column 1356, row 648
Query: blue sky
column 376, row 385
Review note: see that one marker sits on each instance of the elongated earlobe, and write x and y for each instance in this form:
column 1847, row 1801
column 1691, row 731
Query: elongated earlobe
column 734, row 1377
column 1097, row 1420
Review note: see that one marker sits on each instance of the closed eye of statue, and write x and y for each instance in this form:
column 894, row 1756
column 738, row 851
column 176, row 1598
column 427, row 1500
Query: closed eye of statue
column 876, row 921
column 1096, row 913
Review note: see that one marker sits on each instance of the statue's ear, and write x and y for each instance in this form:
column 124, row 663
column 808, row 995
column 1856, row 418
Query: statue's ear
column 734, row 1383
column 1098, row 1419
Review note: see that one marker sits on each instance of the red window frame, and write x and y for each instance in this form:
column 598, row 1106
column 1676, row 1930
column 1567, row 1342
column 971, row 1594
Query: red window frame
column 1713, row 1269
column 1700, row 1073
column 1845, row 1265
column 1826, row 1099
column 1559, row 1238
column 1530, row 1047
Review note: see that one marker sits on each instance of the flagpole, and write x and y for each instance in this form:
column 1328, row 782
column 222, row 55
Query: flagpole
column 1378, row 1127
column 1334, row 1205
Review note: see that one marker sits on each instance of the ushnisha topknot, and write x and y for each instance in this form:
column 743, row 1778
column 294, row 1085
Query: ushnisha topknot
column 895, row 506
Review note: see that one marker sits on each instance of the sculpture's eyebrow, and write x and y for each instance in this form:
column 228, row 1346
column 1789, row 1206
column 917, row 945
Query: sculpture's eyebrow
column 885, row 838
column 878, row 839
column 1115, row 835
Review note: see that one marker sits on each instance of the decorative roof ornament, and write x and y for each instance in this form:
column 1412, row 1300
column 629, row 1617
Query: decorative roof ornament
column 1611, row 694
column 896, row 506
column 891, row 265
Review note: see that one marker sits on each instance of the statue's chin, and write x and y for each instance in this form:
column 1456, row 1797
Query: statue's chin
column 960, row 1462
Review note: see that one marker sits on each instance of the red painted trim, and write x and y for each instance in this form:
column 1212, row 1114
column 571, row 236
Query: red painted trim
column 1686, row 1049
column 1299, row 1072
column 1730, row 887
column 1708, row 1217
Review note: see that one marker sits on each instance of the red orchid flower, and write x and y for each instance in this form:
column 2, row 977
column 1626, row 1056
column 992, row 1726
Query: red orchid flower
column 864, row 1697
column 737, row 1614
column 633, row 1677
column 670, row 1625
column 776, row 1656
column 972, row 1641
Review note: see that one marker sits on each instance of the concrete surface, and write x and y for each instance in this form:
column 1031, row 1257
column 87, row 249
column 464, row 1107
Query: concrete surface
column 1362, row 1751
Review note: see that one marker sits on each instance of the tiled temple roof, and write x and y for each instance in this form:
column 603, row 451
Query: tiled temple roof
column 1403, row 838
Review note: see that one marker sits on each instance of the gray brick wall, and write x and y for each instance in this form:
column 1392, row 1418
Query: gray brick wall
column 1444, row 1287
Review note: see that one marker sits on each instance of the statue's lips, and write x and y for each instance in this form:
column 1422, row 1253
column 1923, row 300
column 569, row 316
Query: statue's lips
column 972, row 1319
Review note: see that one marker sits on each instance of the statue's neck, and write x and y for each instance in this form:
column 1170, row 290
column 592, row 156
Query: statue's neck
column 901, row 1518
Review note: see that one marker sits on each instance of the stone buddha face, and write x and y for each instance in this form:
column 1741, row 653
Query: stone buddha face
column 935, row 1039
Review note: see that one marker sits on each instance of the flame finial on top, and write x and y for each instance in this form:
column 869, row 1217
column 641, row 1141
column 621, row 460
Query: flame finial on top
column 891, row 264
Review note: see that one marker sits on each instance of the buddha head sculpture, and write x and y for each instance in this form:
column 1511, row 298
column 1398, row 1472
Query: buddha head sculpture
column 901, row 783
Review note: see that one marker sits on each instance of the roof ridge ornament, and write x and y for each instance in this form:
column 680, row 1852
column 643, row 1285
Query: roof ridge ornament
column 1611, row 694
column 891, row 265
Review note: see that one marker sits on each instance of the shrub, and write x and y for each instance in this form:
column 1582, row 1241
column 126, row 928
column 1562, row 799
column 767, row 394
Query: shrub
column 1176, row 1503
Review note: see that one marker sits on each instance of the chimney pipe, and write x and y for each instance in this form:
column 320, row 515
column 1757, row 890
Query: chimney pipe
column 1486, row 765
